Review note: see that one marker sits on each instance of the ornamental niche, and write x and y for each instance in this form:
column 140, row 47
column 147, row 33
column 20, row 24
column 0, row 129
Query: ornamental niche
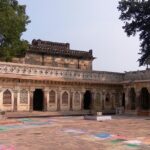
column 7, row 97
column 77, row 99
column 65, row 98
column 24, row 96
column 52, row 96
column 107, row 100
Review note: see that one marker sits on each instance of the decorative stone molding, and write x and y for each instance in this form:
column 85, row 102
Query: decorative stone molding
column 59, row 73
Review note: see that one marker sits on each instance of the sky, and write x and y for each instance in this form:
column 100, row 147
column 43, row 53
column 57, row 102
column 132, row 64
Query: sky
column 85, row 24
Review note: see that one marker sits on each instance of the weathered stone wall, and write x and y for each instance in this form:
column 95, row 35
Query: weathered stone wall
column 133, row 85
column 33, row 59
column 58, row 95
column 137, row 75
column 64, row 89
column 18, row 60
column 36, row 59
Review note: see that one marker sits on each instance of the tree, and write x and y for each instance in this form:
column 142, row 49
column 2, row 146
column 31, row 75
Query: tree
column 13, row 21
column 136, row 16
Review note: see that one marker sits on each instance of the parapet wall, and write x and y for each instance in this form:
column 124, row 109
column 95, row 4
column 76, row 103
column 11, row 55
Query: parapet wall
column 137, row 75
column 57, row 73
column 54, row 73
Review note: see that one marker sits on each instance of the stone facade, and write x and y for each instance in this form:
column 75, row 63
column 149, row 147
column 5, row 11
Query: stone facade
column 63, row 89
column 136, row 88
column 46, row 83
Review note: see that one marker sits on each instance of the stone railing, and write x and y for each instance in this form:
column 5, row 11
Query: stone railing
column 60, row 73
column 137, row 75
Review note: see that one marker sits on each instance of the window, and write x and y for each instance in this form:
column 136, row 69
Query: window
column 52, row 96
column 7, row 97
column 65, row 98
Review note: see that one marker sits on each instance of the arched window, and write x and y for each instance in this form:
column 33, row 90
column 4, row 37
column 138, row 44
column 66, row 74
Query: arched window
column 52, row 96
column 65, row 98
column 77, row 99
column 7, row 97
column 24, row 96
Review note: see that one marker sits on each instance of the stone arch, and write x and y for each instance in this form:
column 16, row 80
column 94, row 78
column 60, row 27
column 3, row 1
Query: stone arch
column 65, row 98
column 24, row 96
column 52, row 96
column 144, row 99
column 132, row 99
column 87, row 102
column 107, row 99
column 7, row 97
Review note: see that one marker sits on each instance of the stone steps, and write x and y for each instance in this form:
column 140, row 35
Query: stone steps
column 45, row 114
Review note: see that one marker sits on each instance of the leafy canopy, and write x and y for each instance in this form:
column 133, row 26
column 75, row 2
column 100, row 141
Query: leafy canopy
column 13, row 21
column 136, row 16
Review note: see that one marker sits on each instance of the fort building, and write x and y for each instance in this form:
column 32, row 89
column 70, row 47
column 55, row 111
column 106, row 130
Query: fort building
column 53, row 77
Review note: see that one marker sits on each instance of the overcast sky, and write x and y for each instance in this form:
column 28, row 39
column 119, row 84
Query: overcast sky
column 85, row 24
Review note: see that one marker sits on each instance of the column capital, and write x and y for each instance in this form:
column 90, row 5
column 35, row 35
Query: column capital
column 72, row 90
column 32, row 89
column 83, row 90
column 126, row 90
column 148, row 89
column 138, row 91
column 16, row 89
column 46, row 90
column 104, row 92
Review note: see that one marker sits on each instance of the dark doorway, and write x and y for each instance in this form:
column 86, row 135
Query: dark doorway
column 123, row 101
column 145, row 99
column 87, row 100
column 38, row 100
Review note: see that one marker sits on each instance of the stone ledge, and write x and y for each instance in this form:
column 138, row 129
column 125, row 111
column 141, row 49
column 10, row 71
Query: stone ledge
column 98, row 118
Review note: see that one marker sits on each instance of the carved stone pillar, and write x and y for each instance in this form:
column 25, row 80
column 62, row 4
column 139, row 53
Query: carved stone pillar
column 138, row 103
column 113, row 101
column 149, row 97
column 71, row 100
column 58, row 99
column 120, row 99
column 82, row 100
column 31, row 101
column 127, row 103
column 15, row 100
column 45, row 100
column 92, row 106
column 103, row 100
column 100, row 101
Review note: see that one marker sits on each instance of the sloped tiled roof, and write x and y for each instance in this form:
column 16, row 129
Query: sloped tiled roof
column 58, row 49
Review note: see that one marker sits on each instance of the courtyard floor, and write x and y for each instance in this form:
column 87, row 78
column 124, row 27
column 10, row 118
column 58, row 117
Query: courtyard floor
column 75, row 133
